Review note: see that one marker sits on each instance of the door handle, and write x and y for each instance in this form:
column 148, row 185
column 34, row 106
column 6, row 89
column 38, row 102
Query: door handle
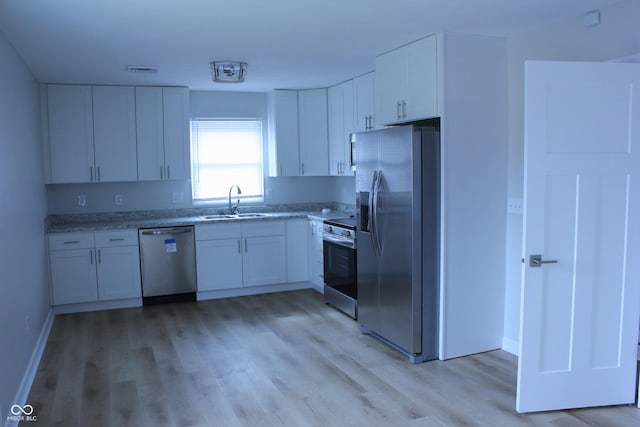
column 537, row 261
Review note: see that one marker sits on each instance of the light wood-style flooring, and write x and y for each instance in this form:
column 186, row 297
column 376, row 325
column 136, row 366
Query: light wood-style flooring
column 282, row 359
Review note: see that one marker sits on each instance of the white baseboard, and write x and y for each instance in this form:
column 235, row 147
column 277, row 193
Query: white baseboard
column 22, row 394
column 253, row 290
column 510, row 346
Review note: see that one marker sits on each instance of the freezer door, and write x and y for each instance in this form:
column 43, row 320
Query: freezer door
column 167, row 260
column 398, row 225
column 366, row 153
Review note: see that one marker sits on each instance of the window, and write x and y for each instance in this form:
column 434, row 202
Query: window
column 225, row 153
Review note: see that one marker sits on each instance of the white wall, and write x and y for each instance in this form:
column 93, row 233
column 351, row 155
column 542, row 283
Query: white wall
column 24, row 292
column 62, row 198
column 615, row 37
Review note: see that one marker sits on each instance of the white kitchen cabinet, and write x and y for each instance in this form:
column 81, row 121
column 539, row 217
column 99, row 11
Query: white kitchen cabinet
column 89, row 268
column 235, row 255
column 162, row 126
column 219, row 256
column 118, row 265
column 175, row 102
column 316, row 256
column 364, row 115
column 341, row 125
column 70, row 131
column 91, row 134
column 72, row 267
column 312, row 132
column 114, row 134
column 297, row 246
column 406, row 83
column 284, row 152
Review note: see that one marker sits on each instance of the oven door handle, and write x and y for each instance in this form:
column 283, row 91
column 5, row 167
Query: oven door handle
column 347, row 243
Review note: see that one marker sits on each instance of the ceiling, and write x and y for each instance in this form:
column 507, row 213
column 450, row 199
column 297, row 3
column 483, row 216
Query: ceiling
column 287, row 43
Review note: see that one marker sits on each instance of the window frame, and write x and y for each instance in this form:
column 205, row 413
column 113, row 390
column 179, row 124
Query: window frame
column 222, row 200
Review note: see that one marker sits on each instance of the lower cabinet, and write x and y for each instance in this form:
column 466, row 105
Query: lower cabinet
column 240, row 255
column 316, row 256
column 90, row 267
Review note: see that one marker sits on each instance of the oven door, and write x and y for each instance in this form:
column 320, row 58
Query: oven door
column 340, row 275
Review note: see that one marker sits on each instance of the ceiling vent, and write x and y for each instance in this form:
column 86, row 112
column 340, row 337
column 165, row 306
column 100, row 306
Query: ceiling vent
column 142, row 69
column 228, row 71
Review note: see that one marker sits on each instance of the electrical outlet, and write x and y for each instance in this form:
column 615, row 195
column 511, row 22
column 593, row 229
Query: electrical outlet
column 82, row 200
column 514, row 205
column 119, row 199
column 177, row 197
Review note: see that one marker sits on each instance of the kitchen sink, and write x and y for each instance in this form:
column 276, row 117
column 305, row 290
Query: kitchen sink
column 235, row 216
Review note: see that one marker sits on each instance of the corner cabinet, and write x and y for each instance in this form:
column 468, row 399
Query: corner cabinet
column 406, row 83
column 298, row 133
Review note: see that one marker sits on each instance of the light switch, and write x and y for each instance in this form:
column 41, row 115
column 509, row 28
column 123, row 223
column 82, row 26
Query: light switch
column 119, row 199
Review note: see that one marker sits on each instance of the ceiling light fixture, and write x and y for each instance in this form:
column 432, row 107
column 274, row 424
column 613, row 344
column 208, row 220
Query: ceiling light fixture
column 228, row 71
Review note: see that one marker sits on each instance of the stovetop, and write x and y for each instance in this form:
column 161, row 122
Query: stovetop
column 349, row 223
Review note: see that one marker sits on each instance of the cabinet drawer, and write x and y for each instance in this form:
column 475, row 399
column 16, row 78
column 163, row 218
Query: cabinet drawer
column 218, row 231
column 263, row 228
column 105, row 239
column 70, row 241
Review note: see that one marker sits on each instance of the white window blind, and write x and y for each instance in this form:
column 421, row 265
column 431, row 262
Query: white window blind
column 226, row 153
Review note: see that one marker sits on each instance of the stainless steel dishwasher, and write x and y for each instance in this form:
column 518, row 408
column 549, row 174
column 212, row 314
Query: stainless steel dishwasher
column 168, row 264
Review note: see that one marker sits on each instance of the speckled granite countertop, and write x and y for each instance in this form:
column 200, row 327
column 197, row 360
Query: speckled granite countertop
column 173, row 218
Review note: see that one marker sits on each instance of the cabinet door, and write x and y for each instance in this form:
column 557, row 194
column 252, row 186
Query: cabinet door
column 363, row 87
column 336, row 125
column 313, row 132
column 316, row 255
column 175, row 101
column 297, row 251
column 71, row 154
column 114, row 129
column 284, row 154
column 391, row 77
column 219, row 264
column 73, row 276
column 421, row 96
column 118, row 272
column 150, row 133
column 264, row 260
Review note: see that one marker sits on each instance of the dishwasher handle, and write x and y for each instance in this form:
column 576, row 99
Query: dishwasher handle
column 164, row 231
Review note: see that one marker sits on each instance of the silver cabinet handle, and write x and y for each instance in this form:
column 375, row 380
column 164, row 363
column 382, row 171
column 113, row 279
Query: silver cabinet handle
column 168, row 172
column 537, row 261
column 239, row 249
column 161, row 172
column 98, row 169
column 71, row 242
column 302, row 168
column 245, row 245
column 404, row 109
column 91, row 173
column 398, row 110
column 116, row 239
column 91, row 256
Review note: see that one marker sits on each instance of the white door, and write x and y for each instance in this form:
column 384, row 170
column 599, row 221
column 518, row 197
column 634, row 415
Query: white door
column 579, row 316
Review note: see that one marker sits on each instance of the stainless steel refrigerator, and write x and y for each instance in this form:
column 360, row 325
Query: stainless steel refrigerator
column 398, row 217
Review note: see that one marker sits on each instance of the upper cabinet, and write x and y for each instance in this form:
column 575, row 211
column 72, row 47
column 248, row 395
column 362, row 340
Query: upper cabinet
column 364, row 114
column 284, row 153
column 341, row 125
column 406, row 83
column 312, row 132
column 162, row 116
column 298, row 141
column 115, row 133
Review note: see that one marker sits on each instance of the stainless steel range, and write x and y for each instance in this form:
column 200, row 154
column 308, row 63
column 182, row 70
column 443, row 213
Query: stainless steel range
column 340, row 272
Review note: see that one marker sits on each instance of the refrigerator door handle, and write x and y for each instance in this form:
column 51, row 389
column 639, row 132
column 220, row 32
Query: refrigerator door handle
column 376, row 232
column 372, row 215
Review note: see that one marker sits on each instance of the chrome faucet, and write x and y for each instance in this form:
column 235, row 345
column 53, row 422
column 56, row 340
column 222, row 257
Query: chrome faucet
column 233, row 210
